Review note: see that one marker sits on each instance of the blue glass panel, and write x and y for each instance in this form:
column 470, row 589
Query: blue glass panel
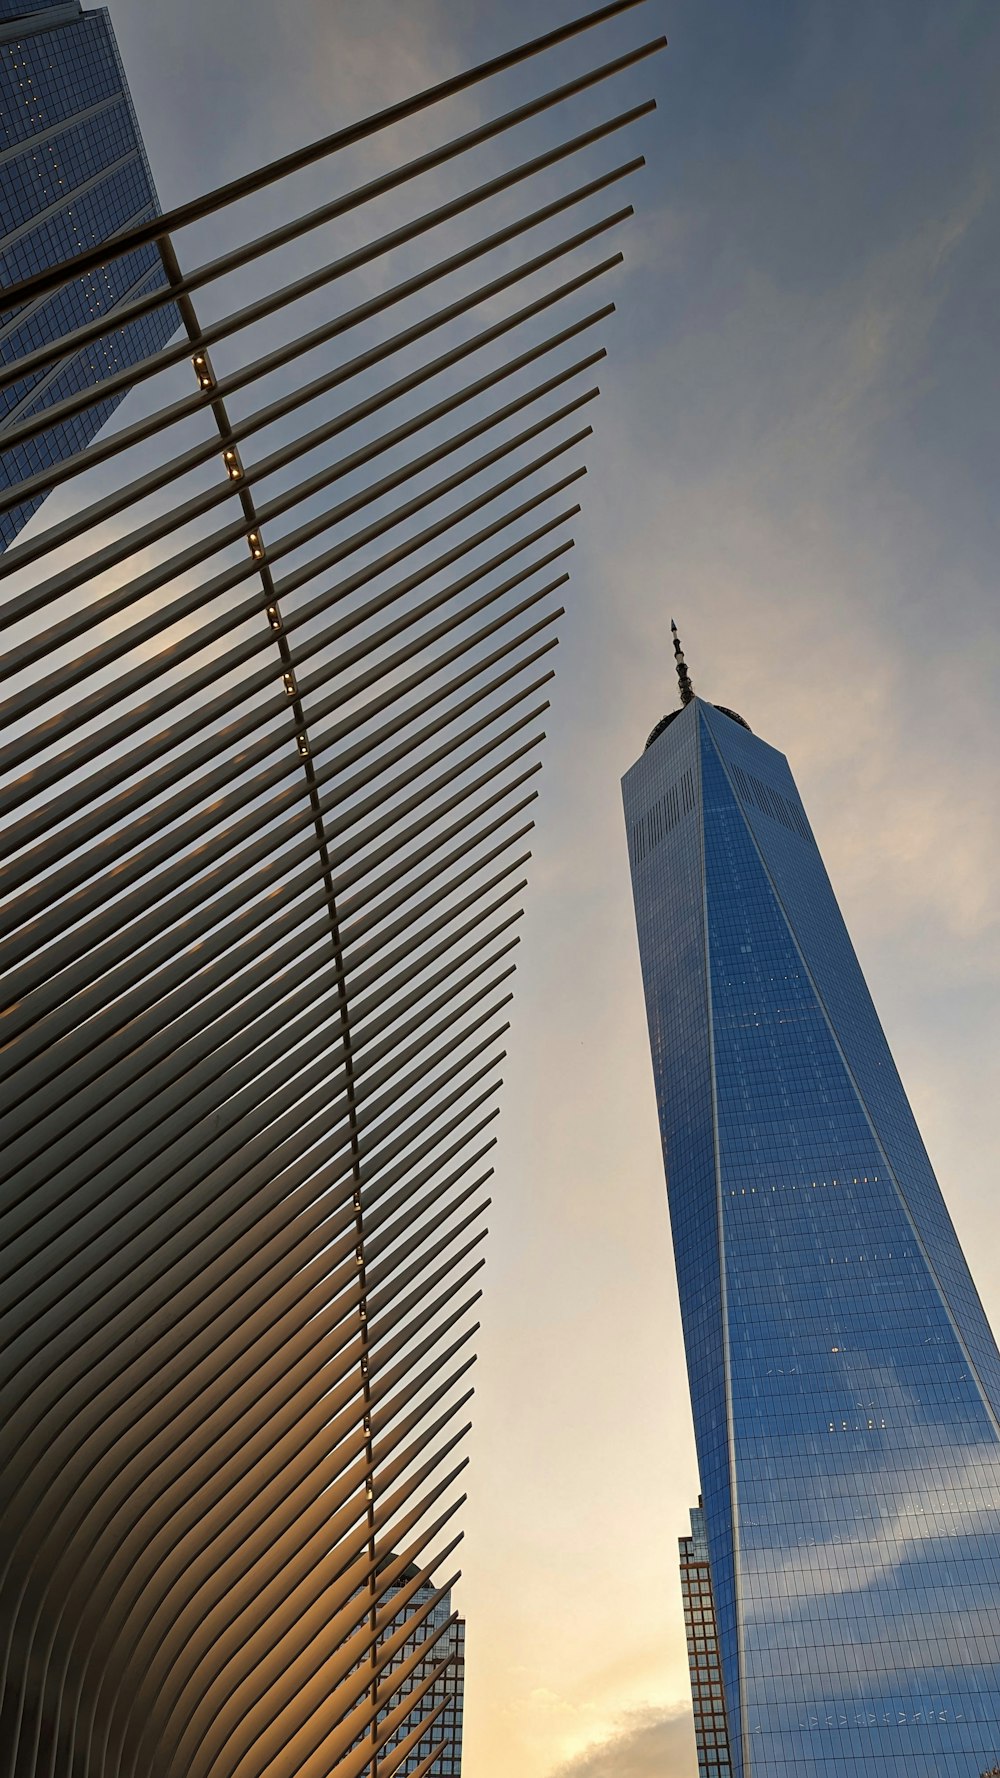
column 804, row 890
column 52, row 75
column 662, row 813
column 72, row 173
column 863, row 1523
column 15, row 9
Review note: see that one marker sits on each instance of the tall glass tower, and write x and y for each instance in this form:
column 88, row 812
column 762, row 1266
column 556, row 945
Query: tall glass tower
column 844, row 1380
column 73, row 172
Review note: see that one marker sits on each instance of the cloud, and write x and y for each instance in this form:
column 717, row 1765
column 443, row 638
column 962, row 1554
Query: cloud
column 649, row 1744
column 905, row 1509
column 367, row 57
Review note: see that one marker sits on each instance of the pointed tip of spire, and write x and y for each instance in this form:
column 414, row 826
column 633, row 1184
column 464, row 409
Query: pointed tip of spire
column 687, row 696
column 683, row 676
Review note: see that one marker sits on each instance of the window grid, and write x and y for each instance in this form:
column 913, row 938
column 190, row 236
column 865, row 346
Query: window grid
column 69, row 181
column 845, row 1383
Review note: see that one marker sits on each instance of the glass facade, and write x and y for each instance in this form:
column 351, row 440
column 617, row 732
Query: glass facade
column 20, row 9
column 448, row 1688
column 711, row 1731
column 845, row 1383
column 73, row 172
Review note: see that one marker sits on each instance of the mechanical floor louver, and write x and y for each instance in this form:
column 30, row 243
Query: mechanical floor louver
column 276, row 665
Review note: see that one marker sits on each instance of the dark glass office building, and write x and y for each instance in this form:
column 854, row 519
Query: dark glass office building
column 73, row 172
column 844, row 1380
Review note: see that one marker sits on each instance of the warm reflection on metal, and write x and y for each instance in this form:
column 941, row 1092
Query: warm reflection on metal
column 268, row 741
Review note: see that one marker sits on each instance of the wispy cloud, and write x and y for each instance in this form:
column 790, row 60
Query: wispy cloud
column 646, row 1744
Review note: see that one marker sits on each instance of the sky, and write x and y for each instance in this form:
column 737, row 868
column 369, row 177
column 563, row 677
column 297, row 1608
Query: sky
column 795, row 457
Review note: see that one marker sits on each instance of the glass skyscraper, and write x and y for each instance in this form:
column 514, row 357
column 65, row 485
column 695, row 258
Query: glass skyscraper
column 73, row 172
column 844, row 1380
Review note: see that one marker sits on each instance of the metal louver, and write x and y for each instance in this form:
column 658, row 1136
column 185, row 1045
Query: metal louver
column 276, row 669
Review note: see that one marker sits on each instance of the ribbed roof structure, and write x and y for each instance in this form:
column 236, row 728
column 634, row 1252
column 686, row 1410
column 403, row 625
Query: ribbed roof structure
column 275, row 694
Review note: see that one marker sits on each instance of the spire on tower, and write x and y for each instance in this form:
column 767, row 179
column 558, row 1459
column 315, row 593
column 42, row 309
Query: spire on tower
column 687, row 693
column 684, row 677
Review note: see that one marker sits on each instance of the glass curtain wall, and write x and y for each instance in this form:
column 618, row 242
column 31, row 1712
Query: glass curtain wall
column 844, row 1380
column 73, row 172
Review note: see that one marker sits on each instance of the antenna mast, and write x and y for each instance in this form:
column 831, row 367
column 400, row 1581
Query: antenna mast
column 683, row 676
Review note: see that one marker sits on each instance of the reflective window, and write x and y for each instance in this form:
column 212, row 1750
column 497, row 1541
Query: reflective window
column 844, row 1381
column 73, row 171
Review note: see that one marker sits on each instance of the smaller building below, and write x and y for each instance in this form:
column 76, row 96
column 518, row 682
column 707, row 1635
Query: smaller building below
column 447, row 1687
column 710, row 1724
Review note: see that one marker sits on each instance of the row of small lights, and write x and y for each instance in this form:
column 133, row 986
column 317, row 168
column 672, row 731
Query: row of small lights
column 234, row 470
